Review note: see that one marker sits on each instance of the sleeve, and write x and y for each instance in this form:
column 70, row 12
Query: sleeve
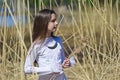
column 72, row 60
column 30, row 59
column 58, row 39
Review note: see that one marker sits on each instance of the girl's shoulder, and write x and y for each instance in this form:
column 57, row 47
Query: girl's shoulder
column 58, row 39
column 35, row 45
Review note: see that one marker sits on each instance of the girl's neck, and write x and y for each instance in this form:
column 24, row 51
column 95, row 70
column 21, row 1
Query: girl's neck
column 48, row 35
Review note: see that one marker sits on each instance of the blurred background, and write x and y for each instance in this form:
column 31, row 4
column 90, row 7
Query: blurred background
column 89, row 26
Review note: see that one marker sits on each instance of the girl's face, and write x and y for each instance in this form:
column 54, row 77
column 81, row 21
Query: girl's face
column 52, row 25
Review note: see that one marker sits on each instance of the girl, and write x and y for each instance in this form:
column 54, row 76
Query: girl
column 46, row 49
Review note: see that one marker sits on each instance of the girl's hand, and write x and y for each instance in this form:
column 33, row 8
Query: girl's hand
column 66, row 63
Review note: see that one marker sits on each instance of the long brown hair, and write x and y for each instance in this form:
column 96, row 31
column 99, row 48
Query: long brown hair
column 40, row 25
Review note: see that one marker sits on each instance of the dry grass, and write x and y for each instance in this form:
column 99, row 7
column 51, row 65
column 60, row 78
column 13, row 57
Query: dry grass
column 96, row 28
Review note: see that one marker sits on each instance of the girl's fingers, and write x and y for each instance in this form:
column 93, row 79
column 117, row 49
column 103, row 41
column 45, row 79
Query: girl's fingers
column 66, row 63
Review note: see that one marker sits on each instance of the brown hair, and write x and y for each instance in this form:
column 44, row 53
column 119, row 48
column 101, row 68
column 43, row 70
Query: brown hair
column 40, row 25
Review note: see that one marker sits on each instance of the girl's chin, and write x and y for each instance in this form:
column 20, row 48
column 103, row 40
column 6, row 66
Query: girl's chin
column 54, row 30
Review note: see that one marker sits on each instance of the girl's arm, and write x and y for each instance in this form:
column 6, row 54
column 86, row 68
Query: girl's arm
column 68, row 62
column 30, row 59
column 65, row 61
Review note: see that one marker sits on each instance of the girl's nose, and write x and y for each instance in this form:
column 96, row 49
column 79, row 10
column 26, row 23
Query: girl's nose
column 56, row 23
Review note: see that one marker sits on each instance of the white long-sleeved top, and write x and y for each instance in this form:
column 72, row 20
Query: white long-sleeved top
column 49, row 56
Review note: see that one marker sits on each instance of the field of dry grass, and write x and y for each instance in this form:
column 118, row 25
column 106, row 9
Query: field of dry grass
column 93, row 28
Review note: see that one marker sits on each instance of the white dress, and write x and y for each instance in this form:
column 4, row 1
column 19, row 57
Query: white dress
column 49, row 56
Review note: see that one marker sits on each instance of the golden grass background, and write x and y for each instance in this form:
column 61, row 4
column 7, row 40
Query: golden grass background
column 96, row 27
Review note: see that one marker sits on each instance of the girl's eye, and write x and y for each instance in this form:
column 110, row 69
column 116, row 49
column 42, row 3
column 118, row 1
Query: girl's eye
column 53, row 20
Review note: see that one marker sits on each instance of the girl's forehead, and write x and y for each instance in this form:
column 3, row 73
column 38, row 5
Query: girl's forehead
column 53, row 16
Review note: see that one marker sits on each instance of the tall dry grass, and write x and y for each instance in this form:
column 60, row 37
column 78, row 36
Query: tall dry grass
column 94, row 28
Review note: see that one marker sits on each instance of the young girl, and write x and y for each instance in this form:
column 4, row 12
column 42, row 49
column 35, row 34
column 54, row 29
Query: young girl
column 46, row 49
